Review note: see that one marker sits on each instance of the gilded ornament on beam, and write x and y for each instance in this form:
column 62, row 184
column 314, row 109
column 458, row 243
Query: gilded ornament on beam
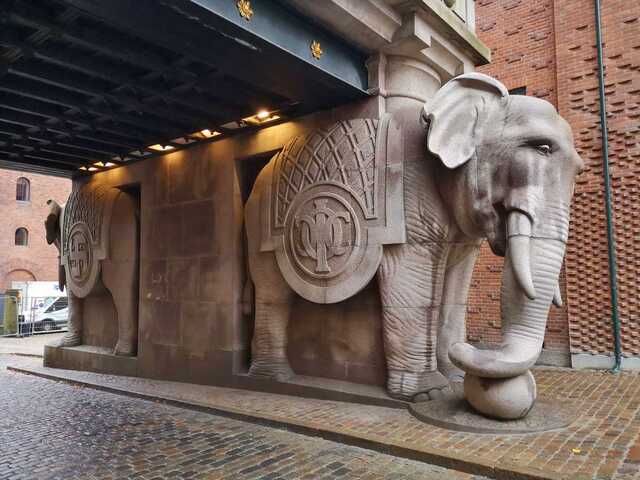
column 316, row 50
column 244, row 7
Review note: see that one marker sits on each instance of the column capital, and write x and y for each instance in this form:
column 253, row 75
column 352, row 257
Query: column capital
column 427, row 31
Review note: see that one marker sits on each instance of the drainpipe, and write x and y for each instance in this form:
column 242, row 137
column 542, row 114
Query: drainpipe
column 613, row 281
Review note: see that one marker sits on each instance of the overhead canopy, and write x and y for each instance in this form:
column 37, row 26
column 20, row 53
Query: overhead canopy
column 85, row 82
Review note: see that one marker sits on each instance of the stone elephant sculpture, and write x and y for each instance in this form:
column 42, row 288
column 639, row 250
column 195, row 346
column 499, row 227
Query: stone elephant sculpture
column 494, row 166
column 96, row 233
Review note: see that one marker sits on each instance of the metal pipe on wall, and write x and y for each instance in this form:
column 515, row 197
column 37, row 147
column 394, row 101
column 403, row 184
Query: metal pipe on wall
column 611, row 245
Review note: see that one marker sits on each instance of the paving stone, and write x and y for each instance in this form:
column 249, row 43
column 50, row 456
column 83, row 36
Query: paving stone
column 51, row 430
column 587, row 449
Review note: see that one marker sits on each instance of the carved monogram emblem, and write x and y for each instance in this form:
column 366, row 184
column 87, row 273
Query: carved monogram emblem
column 80, row 255
column 321, row 234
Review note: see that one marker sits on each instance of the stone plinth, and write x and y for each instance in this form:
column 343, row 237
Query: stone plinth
column 455, row 413
column 91, row 359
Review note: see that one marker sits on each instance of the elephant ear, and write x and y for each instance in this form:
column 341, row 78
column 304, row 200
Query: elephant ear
column 51, row 224
column 455, row 116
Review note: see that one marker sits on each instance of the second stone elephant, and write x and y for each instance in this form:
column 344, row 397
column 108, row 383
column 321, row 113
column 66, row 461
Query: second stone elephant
column 96, row 233
column 493, row 166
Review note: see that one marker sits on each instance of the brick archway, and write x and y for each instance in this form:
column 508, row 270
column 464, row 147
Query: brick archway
column 20, row 268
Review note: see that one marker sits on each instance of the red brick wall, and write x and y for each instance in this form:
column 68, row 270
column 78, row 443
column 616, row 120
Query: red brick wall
column 587, row 266
column 37, row 260
column 522, row 41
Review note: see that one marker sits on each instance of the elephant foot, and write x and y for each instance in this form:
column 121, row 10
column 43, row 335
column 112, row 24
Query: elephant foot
column 456, row 382
column 417, row 387
column 125, row 349
column 71, row 339
column 276, row 369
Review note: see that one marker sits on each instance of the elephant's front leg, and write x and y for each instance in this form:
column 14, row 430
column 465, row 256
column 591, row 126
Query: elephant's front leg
column 410, row 282
column 73, row 337
column 452, row 328
column 273, row 298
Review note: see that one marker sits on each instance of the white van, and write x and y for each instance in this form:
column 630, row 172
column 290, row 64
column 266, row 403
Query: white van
column 43, row 307
column 53, row 315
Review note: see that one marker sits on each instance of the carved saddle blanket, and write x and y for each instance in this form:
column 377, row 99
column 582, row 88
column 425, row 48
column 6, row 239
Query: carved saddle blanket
column 84, row 234
column 335, row 197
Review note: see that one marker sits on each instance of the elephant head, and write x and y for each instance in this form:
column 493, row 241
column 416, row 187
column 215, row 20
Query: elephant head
column 52, row 229
column 507, row 169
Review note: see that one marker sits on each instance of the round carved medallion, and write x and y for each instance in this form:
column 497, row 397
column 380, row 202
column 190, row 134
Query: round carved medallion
column 324, row 233
column 81, row 266
column 325, row 254
column 80, row 253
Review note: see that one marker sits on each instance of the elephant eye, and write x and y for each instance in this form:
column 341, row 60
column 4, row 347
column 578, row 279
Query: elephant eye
column 541, row 146
column 543, row 149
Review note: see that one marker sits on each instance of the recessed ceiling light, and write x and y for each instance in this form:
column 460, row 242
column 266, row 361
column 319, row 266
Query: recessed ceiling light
column 161, row 148
column 82, row 168
column 208, row 133
column 109, row 164
column 99, row 164
column 92, row 169
column 261, row 117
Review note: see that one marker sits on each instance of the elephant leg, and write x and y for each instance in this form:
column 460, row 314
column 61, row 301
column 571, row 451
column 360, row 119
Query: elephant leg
column 273, row 298
column 73, row 337
column 120, row 273
column 452, row 328
column 272, row 295
column 410, row 282
column 121, row 281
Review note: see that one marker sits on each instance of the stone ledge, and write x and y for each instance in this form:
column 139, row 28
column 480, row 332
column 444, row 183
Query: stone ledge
column 167, row 392
column 90, row 359
column 602, row 362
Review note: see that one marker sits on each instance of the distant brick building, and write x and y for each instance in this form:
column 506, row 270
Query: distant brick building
column 548, row 48
column 24, row 253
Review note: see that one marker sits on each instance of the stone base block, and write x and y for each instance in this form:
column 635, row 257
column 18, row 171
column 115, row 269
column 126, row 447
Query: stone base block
column 90, row 359
column 455, row 413
column 101, row 360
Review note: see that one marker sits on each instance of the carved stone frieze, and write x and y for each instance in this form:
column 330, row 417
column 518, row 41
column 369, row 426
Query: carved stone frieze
column 334, row 200
column 85, row 238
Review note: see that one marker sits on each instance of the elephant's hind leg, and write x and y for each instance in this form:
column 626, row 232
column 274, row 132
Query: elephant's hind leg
column 410, row 294
column 273, row 298
column 120, row 273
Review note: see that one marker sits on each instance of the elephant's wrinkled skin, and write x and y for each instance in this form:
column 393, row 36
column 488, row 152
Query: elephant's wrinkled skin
column 497, row 166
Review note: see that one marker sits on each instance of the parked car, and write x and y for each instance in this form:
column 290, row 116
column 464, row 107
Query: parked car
column 48, row 316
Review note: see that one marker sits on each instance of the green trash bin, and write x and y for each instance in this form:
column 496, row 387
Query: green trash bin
column 10, row 313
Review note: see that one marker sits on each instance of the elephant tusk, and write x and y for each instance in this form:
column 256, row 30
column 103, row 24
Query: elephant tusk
column 557, row 296
column 518, row 250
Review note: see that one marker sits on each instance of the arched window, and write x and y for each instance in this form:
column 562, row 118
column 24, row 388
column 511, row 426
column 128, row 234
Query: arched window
column 22, row 237
column 23, row 190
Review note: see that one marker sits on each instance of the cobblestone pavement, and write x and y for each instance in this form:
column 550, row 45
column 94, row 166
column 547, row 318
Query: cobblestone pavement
column 603, row 443
column 52, row 430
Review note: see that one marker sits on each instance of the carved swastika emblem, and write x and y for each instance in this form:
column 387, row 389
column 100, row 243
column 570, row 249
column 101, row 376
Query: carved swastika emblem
column 321, row 234
column 80, row 254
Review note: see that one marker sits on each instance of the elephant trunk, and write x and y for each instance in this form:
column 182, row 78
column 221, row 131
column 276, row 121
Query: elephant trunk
column 529, row 284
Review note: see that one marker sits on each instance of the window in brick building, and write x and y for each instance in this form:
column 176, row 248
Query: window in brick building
column 23, row 190
column 518, row 91
column 22, row 237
